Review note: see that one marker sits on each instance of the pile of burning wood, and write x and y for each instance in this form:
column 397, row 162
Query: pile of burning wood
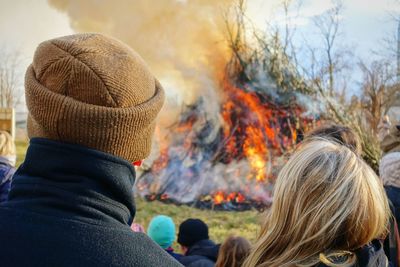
column 228, row 161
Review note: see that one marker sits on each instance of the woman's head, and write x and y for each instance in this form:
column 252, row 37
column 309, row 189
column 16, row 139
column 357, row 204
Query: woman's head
column 7, row 146
column 338, row 133
column 233, row 252
column 326, row 200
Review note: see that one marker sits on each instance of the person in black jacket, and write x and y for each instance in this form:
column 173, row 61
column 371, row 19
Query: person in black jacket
column 198, row 249
column 92, row 106
column 7, row 164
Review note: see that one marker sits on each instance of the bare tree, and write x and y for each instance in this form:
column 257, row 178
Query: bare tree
column 10, row 79
column 327, row 70
column 332, row 62
column 380, row 90
column 328, row 67
column 291, row 10
column 236, row 38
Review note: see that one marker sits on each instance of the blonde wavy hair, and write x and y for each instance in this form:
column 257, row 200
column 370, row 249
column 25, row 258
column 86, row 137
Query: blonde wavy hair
column 327, row 203
column 7, row 146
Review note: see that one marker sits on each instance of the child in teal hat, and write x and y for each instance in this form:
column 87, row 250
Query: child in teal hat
column 162, row 231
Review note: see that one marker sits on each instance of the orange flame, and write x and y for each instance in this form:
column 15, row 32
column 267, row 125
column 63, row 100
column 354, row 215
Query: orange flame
column 240, row 198
column 236, row 197
column 219, row 197
column 255, row 134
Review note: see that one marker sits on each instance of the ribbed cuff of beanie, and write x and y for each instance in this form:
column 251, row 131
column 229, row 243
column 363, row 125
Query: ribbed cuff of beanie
column 124, row 132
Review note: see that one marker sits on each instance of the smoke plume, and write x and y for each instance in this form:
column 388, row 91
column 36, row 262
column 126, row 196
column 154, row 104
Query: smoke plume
column 181, row 40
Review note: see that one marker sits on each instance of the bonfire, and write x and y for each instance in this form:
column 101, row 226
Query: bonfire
column 228, row 161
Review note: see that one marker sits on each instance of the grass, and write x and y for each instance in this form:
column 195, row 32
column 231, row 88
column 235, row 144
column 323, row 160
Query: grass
column 21, row 146
column 221, row 223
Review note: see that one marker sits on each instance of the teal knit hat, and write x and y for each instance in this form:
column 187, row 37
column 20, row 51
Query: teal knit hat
column 162, row 231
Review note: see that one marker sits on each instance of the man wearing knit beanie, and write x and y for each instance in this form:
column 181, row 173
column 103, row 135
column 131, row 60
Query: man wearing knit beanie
column 92, row 105
column 198, row 249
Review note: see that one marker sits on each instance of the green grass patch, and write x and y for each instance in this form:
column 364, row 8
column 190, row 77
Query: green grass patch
column 21, row 146
column 221, row 223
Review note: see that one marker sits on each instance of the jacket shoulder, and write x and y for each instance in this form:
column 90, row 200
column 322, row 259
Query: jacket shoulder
column 50, row 241
column 145, row 251
column 196, row 261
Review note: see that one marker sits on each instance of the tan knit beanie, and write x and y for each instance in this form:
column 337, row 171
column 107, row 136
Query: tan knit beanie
column 95, row 91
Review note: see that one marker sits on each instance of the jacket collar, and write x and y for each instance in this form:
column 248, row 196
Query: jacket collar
column 206, row 248
column 8, row 160
column 371, row 255
column 72, row 181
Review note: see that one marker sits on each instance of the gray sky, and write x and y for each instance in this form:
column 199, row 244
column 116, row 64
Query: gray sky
column 25, row 23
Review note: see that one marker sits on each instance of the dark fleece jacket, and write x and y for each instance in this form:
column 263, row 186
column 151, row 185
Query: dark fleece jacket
column 204, row 253
column 72, row 206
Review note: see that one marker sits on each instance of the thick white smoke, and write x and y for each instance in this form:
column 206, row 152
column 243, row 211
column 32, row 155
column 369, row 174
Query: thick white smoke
column 181, row 40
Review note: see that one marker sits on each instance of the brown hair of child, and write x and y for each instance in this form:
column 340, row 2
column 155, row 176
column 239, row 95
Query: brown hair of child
column 340, row 134
column 233, row 252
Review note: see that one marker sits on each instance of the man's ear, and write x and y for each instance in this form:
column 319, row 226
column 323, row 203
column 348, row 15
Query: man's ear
column 184, row 249
column 137, row 163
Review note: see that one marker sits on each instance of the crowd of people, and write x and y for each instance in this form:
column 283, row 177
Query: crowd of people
column 93, row 104
column 197, row 250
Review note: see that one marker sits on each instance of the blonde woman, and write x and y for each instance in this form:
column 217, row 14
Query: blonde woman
column 329, row 208
column 347, row 137
column 7, row 163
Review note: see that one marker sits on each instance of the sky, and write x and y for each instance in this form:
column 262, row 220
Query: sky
column 364, row 22
column 25, row 23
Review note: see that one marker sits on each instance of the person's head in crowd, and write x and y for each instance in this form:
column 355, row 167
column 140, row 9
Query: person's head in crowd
column 162, row 231
column 93, row 91
column 196, row 246
column 383, row 127
column 389, row 166
column 191, row 231
column 389, row 171
column 391, row 141
column 338, row 133
column 233, row 252
column 7, row 148
column 327, row 204
column 389, row 120
column 7, row 164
